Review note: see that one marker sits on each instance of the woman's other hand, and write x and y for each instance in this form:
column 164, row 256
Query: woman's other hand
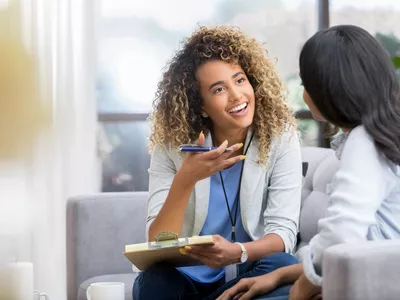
column 304, row 290
column 218, row 255
column 247, row 288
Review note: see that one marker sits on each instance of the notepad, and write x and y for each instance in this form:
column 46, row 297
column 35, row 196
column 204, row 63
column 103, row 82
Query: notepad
column 165, row 249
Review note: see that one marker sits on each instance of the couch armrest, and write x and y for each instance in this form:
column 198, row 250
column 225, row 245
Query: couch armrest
column 98, row 228
column 363, row 271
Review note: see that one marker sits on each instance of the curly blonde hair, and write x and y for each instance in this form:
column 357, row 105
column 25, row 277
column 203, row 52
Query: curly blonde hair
column 176, row 118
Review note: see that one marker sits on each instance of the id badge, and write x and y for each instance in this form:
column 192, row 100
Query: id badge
column 230, row 272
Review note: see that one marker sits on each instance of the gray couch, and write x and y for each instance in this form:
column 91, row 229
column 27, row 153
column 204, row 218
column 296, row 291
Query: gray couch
column 99, row 226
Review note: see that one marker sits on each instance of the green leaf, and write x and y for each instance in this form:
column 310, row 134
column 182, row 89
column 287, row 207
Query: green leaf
column 396, row 62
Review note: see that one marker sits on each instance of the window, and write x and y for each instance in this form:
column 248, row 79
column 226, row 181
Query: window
column 380, row 18
column 136, row 39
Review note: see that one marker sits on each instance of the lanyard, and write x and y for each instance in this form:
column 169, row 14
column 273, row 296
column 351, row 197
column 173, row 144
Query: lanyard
column 236, row 202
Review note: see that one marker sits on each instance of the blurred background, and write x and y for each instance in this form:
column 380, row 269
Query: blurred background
column 136, row 39
column 96, row 64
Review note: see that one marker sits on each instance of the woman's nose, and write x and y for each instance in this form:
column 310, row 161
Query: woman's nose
column 235, row 94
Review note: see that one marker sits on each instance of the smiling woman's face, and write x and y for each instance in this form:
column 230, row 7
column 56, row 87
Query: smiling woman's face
column 228, row 96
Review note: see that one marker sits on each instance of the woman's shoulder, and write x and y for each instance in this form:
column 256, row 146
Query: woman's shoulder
column 288, row 137
column 359, row 141
column 164, row 152
column 359, row 132
column 287, row 141
column 360, row 146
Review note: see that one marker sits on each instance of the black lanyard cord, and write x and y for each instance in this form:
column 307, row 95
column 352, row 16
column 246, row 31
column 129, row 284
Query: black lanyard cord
column 236, row 202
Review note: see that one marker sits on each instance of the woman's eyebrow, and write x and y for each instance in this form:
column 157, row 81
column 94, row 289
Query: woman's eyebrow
column 222, row 82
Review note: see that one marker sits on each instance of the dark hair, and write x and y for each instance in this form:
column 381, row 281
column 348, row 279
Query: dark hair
column 352, row 81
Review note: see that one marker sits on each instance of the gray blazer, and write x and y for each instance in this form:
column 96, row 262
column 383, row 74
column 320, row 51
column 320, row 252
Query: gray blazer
column 270, row 195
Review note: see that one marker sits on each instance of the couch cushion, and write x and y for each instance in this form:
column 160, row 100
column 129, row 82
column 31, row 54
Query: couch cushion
column 312, row 210
column 323, row 165
column 127, row 279
column 98, row 228
column 364, row 270
column 321, row 162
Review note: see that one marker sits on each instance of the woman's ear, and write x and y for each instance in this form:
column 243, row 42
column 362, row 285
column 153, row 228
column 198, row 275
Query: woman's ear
column 204, row 114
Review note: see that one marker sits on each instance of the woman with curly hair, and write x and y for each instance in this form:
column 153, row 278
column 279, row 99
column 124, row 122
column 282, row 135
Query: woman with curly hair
column 222, row 90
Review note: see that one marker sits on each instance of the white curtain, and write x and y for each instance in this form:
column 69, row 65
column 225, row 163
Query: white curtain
column 60, row 33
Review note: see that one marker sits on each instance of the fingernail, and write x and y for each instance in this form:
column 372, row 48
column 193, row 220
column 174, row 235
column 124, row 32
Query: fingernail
column 242, row 157
column 182, row 251
column 188, row 248
column 240, row 145
column 201, row 134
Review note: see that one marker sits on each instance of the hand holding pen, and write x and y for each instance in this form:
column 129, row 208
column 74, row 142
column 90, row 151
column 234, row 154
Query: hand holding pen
column 202, row 162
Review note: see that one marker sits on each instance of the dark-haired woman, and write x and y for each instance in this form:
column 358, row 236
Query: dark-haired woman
column 349, row 81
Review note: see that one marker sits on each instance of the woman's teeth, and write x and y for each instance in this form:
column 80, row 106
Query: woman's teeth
column 238, row 108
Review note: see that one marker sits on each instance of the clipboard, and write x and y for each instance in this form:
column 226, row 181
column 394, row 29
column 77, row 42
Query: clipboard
column 165, row 248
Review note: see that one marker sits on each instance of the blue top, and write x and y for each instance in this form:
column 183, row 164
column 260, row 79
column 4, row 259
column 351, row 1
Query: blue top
column 218, row 221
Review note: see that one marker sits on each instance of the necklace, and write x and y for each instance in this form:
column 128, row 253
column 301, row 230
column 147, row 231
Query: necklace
column 235, row 205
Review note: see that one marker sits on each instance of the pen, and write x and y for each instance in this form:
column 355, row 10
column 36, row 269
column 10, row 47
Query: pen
column 196, row 148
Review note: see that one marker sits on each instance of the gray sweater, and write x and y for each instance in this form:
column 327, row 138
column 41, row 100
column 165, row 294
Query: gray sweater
column 270, row 195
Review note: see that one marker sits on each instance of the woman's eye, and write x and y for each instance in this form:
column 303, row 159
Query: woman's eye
column 218, row 90
column 241, row 80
